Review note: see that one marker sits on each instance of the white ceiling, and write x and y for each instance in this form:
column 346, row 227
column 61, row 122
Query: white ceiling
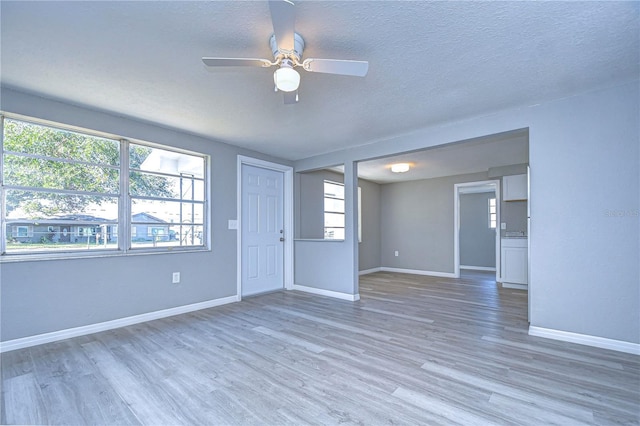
column 428, row 62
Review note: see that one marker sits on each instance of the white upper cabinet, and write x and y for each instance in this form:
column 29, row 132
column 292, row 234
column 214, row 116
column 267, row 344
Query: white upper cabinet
column 514, row 188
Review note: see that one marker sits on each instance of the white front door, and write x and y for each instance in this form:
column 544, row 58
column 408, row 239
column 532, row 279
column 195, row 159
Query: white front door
column 262, row 230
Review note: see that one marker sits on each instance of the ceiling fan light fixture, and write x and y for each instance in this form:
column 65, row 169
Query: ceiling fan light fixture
column 400, row 167
column 286, row 78
column 287, row 47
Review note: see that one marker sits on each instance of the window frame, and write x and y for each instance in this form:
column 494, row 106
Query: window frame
column 27, row 229
column 204, row 233
column 325, row 211
column 343, row 212
column 493, row 215
column 124, row 220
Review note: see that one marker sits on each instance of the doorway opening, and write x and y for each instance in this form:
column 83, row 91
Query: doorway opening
column 476, row 230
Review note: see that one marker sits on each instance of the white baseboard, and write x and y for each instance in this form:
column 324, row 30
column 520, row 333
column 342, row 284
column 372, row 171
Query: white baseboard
column 54, row 336
column 585, row 339
column 369, row 271
column 478, row 268
column 516, row 286
column 419, row 272
column 329, row 293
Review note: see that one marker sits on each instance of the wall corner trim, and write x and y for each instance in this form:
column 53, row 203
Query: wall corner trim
column 585, row 339
column 328, row 293
column 39, row 339
column 419, row 272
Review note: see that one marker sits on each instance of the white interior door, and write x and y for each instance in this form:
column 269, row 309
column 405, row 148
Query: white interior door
column 262, row 230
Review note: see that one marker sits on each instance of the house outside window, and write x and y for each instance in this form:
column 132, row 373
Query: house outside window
column 62, row 192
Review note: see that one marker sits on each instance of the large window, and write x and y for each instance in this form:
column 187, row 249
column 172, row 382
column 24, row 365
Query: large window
column 62, row 192
column 333, row 210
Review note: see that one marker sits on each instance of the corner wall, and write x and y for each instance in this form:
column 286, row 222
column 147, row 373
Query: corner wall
column 40, row 297
column 585, row 226
column 369, row 247
column 417, row 220
column 585, row 190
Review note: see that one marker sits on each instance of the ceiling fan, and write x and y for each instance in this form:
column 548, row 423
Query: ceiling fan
column 287, row 47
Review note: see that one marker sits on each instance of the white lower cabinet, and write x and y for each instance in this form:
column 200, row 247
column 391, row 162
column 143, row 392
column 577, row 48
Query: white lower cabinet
column 514, row 263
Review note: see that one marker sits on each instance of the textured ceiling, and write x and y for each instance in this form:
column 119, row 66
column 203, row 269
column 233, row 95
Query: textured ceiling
column 428, row 62
column 473, row 156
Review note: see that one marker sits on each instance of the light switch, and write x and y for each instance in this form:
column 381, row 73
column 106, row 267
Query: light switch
column 233, row 224
column 503, row 225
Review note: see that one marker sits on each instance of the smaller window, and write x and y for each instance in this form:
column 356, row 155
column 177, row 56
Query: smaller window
column 22, row 231
column 493, row 213
column 154, row 231
column 333, row 210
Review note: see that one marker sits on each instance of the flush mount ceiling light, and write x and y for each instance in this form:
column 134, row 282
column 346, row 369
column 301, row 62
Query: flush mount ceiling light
column 400, row 167
column 286, row 78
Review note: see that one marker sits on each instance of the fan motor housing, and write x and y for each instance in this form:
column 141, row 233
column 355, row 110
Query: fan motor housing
column 298, row 43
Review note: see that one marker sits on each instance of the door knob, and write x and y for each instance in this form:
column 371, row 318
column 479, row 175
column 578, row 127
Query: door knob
column 281, row 238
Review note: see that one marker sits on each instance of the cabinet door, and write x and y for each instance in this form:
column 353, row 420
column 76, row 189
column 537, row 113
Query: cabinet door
column 514, row 187
column 514, row 265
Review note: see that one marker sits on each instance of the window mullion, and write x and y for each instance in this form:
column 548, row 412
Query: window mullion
column 124, row 204
column 3, row 225
column 173, row 200
column 59, row 191
column 61, row 160
column 186, row 176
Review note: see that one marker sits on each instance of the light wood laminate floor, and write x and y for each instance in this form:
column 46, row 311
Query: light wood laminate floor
column 413, row 350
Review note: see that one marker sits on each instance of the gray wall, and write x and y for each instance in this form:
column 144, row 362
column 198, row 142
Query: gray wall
column 477, row 240
column 514, row 214
column 369, row 248
column 417, row 221
column 333, row 265
column 584, row 225
column 309, row 202
column 310, row 208
column 45, row 296
column 585, row 232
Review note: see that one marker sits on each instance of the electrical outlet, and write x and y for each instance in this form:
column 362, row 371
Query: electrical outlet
column 175, row 278
column 396, row 253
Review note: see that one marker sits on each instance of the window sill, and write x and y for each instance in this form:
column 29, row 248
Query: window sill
column 319, row 240
column 15, row 258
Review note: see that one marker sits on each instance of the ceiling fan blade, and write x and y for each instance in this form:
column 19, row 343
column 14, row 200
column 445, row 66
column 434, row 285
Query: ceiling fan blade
column 336, row 66
column 236, row 62
column 290, row 97
column 283, row 16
